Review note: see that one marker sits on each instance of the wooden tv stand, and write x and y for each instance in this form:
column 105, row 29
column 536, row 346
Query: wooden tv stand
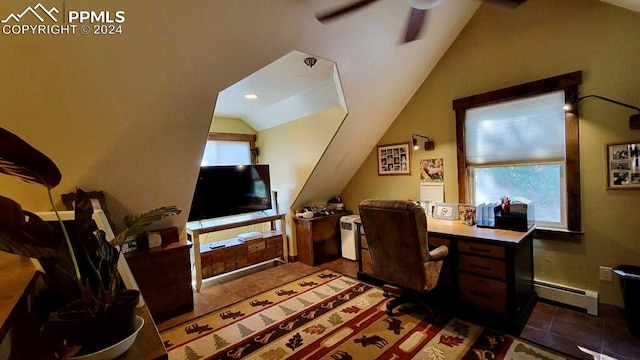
column 235, row 254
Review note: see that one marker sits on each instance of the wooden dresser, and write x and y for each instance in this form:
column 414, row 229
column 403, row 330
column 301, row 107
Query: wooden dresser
column 318, row 238
column 163, row 275
column 487, row 277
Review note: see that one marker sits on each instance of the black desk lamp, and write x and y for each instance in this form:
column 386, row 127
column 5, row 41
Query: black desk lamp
column 634, row 120
column 428, row 145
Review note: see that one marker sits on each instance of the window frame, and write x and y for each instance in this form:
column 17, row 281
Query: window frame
column 250, row 138
column 569, row 83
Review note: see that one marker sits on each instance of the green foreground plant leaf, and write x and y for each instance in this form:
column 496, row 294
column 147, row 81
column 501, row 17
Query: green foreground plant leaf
column 18, row 158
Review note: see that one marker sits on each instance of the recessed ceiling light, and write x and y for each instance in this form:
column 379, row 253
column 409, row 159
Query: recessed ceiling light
column 251, row 96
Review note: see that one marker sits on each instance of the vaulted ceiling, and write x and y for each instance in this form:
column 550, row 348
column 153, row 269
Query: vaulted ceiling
column 380, row 73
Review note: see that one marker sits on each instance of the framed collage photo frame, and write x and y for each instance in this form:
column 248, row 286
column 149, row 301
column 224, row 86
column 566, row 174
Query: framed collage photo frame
column 623, row 165
column 394, row 159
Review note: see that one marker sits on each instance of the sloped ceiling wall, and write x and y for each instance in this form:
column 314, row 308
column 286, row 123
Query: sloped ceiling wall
column 129, row 113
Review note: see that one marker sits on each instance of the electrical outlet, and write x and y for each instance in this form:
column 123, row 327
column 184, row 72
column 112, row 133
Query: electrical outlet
column 605, row 273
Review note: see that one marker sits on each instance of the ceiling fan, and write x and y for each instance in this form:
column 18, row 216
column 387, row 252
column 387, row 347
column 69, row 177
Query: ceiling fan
column 417, row 15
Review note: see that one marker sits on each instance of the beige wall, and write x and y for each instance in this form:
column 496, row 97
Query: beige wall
column 125, row 114
column 500, row 48
column 230, row 125
column 129, row 114
column 292, row 150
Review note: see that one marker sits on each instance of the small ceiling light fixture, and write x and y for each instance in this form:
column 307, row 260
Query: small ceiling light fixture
column 428, row 145
column 251, row 96
column 310, row 61
column 634, row 120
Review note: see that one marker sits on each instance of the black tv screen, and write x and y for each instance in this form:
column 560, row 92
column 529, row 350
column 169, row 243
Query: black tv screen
column 230, row 190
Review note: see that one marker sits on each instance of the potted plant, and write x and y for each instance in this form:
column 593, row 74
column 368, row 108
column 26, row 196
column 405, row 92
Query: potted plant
column 84, row 287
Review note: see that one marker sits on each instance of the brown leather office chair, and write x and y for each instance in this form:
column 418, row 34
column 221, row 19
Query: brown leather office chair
column 397, row 236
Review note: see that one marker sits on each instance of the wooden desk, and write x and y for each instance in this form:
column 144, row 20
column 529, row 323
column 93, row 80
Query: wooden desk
column 488, row 275
column 318, row 238
column 20, row 284
column 17, row 278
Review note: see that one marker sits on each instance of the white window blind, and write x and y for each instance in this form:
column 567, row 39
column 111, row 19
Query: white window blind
column 523, row 130
column 223, row 152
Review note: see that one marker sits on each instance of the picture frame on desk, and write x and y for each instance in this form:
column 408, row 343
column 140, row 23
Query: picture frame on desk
column 467, row 213
column 394, row 159
column 445, row 211
column 623, row 165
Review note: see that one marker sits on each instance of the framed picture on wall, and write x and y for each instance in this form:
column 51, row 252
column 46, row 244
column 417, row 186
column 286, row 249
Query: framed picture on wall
column 394, row 159
column 623, row 165
column 432, row 170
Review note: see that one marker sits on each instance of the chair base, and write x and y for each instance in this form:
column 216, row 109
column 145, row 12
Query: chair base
column 402, row 296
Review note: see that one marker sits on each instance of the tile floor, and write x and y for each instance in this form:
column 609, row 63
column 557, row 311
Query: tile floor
column 603, row 337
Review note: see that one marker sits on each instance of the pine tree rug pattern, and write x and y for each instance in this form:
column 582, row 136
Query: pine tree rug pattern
column 327, row 315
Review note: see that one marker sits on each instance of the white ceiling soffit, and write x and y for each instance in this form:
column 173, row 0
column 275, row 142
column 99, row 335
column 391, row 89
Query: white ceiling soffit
column 633, row 5
column 287, row 90
column 310, row 101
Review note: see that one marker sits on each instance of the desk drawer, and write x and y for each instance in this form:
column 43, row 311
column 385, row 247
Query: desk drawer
column 477, row 248
column 212, row 257
column 212, row 269
column 484, row 293
column 483, row 266
column 435, row 241
column 236, row 251
column 255, row 245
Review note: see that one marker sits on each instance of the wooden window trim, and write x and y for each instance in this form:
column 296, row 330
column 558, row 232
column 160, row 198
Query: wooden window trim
column 569, row 84
column 251, row 138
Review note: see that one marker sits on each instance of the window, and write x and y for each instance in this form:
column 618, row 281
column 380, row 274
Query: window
column 517, row 148
column 519, row 141
column 229, row 149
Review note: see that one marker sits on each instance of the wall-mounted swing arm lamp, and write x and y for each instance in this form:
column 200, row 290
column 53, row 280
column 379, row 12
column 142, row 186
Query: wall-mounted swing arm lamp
column 634, row 120
column 428, row 145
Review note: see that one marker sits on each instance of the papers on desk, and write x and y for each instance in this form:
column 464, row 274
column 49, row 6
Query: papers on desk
column 485, row 215
column 431, row 193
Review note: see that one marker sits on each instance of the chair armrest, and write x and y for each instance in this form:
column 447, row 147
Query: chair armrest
column 439, row 253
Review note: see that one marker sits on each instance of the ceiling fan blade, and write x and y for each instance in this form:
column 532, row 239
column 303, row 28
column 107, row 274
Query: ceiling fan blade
column 414, row 24
column 505, row 3
column 344, row 10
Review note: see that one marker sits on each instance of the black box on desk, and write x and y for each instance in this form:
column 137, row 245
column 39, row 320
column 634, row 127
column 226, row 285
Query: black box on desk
column 520, row 218
column 510, row 222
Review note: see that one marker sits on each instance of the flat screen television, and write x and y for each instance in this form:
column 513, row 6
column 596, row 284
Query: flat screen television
column 230, row 190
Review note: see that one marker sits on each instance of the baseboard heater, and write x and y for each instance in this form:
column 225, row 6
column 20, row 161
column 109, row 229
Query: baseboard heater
column 583, row 299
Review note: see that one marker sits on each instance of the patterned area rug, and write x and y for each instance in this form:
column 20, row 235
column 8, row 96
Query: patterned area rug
column 327, row 315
